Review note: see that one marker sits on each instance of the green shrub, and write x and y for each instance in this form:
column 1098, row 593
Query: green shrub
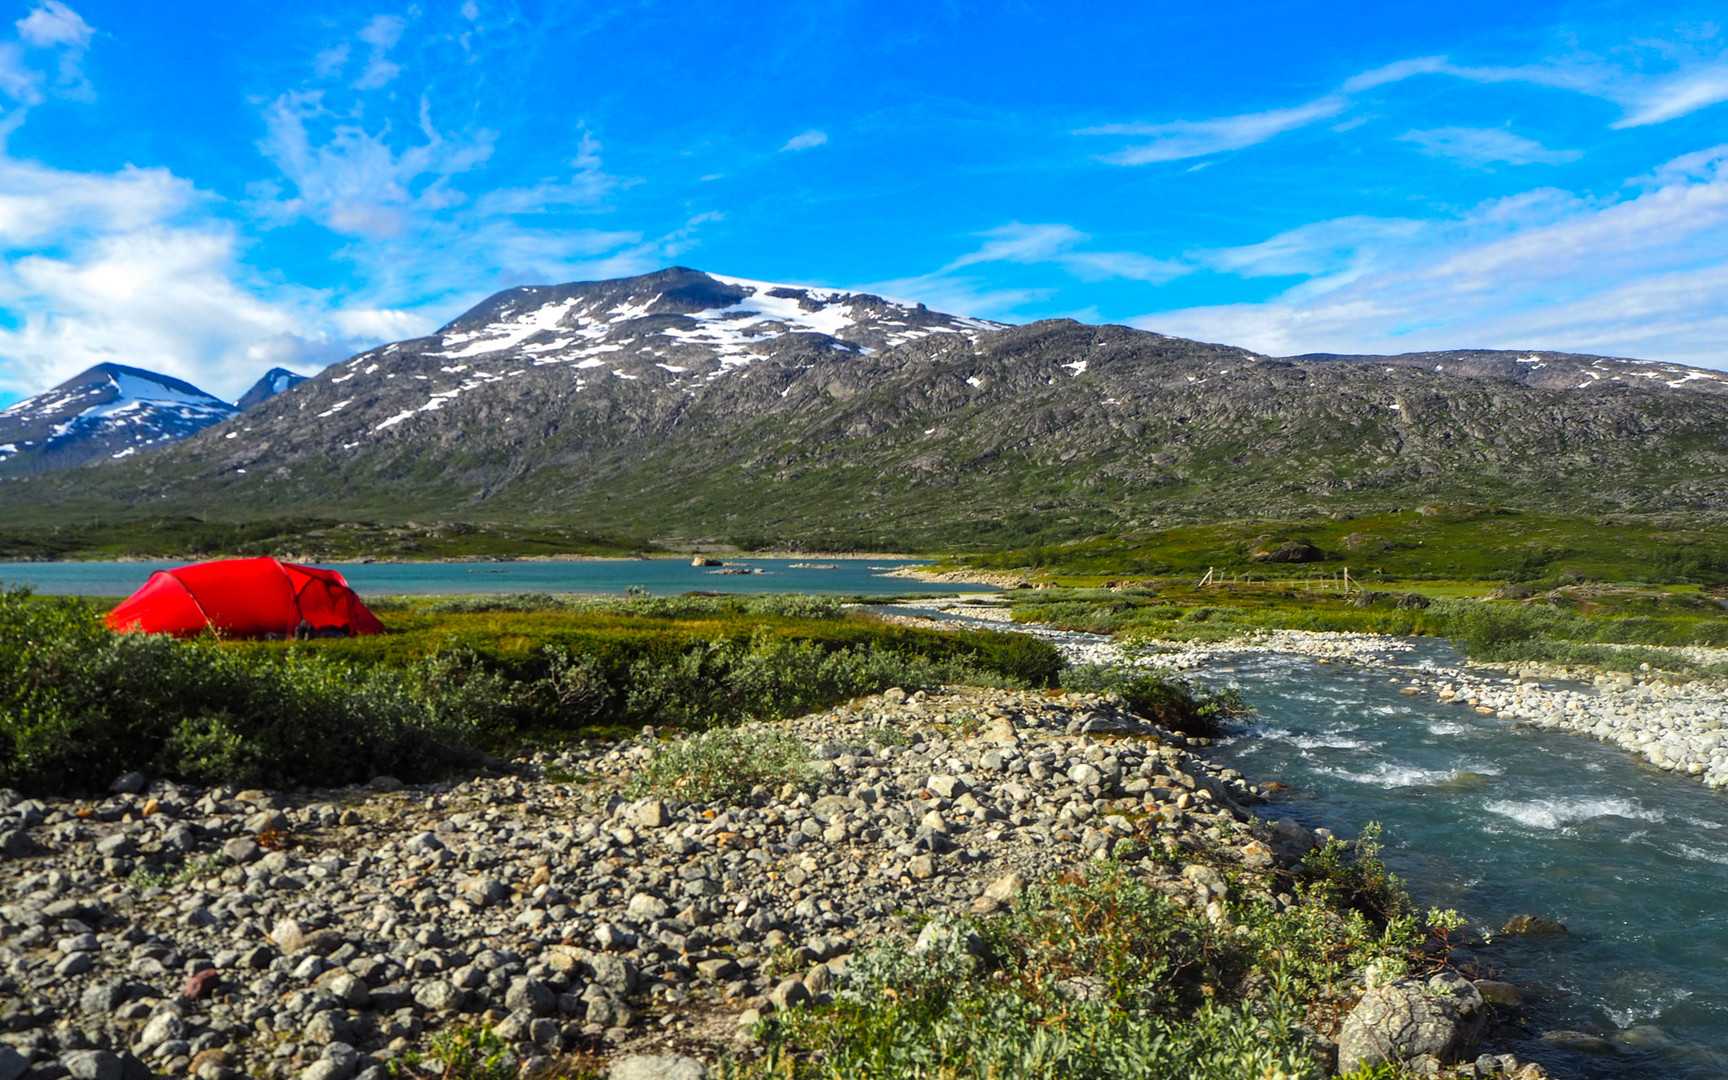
column 723, row 765
column 1098, row 979
column 1165, row 699
column 80, row 704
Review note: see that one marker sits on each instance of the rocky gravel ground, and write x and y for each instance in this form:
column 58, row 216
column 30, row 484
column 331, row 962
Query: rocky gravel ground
column 169, row 930
column 584, row 918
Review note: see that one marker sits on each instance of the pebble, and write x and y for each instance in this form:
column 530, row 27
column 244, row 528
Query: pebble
column 322, row 933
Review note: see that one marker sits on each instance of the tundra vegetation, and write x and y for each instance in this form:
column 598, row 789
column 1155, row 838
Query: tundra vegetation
column 80, row 704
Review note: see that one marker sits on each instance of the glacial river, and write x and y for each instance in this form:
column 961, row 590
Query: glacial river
column 1494, row 820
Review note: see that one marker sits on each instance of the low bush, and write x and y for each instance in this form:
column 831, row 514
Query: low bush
column 1101, row 978
column 80, row 704
column 722, row 765
column 1165, row 699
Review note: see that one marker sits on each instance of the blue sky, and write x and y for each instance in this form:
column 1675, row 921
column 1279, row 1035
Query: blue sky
column 208, row 189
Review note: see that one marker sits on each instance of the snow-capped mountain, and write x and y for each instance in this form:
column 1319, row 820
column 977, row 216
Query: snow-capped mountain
column 271, row 383
column 692, row 404
column 677, row 329
column 114, row 411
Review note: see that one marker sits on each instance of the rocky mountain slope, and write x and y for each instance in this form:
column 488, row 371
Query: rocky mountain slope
column 1543, row 370
column 269, row 384
column 687, row 404
column 113, row 411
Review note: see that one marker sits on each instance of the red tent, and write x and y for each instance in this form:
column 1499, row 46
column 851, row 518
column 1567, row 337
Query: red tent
column 246, row 598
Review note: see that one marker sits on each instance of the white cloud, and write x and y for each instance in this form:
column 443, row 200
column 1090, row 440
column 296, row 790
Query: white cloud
column 382, row 33
column 54, row 24
column 330, row 62
column 1481, row 147
column 470, row 10
column 806, row 140
column 1640, row 275
column 355, row 181
column 18, row 80
column 1060, row 245
column 586, row 190
column 1696, row 81
column 101, row 267
column 1180, row 139
column 1320, row 248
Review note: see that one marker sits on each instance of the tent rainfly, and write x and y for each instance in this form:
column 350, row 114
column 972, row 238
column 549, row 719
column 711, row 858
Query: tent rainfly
column 246, row 598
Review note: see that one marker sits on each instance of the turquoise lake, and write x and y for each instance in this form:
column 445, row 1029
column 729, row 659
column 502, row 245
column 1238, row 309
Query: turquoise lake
column 659, row 576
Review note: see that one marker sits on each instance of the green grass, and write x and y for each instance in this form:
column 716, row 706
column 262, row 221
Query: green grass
column 1465, row 543
column 80, row 704
column 1616, row 628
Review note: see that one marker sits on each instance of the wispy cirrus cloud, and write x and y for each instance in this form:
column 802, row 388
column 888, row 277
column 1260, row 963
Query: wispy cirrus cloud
column 957, row 286
column 382, row 34
column 1694, row 79
column 1697, row 80
column 1063, row 246
column 1179, row 139
column 1482, row 147
column 805, row 140
column 1639, row 274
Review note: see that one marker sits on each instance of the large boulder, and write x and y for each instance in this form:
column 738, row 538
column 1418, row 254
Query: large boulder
column 1406, row 1018
column 1290, row 551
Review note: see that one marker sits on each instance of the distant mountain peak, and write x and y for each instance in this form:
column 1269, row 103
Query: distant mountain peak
column 107, row 411
column 271, row 383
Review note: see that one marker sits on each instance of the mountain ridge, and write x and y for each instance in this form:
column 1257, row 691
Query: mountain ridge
column 689, row 404
column 115, row 410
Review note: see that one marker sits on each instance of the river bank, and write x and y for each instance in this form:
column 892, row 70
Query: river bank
column 169, row 930
column 1674, row 724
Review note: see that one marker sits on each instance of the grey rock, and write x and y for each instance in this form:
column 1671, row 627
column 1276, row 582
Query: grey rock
column 129, row 784
column 16, row 843
column 789, row 993
column 609, row 1012
column 658, row 1067
column 288, row 935
column 115, row 846
column 614, row 973
column 1533, row 926
column 946, row 786
column 327, row 1027
column 1085, row 775
column 92, row 1065
column 1580, row 1041
column 349, row 990
column 102, row 999
column 162, row 1028
column 329, row 1069
column 12, row 1063
column 438, row 996
column 1444, row 1017
column 652, row 813
column 242, row 850
column 530, row 996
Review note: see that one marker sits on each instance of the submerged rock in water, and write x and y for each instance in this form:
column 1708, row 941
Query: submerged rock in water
column 1580, row 1041
column 1533, row 926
